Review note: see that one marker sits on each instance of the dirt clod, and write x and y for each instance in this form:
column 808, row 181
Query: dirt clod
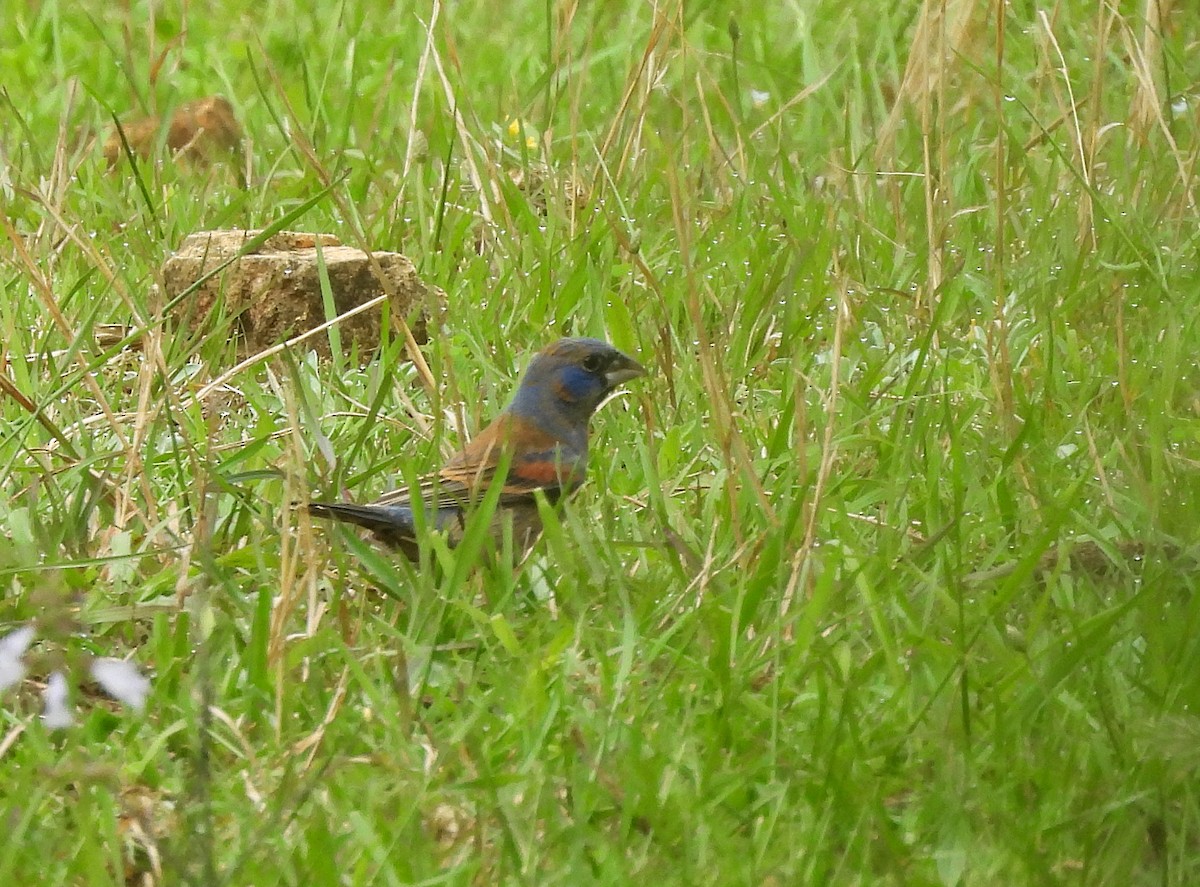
column 274, row 291
column 201, row 131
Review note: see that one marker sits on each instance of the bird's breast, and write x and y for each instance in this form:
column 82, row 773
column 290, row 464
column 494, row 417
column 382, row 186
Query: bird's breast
column 553, row 469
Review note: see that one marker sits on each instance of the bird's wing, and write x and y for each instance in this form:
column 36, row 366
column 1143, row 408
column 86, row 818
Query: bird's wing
column 429, row 490
column 534, row 465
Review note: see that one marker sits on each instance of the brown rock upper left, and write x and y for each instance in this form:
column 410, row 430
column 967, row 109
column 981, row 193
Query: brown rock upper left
column 203, row 131
column 274, row 291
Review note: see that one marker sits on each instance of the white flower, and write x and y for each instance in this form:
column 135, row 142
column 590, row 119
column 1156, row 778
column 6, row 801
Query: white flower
column 122, row 681
column 12, row 648
column 118, row 678
column 57, row 714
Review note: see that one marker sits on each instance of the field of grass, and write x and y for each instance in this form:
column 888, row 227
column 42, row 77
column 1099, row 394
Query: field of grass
column 885, row 575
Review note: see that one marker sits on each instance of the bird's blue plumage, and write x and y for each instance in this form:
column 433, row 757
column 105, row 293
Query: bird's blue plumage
column 538, row 443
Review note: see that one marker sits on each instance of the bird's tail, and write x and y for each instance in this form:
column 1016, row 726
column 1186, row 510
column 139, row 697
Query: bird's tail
column 390, row 524
column 372, row 517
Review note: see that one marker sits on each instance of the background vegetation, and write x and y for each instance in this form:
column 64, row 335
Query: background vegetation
column 885, row 576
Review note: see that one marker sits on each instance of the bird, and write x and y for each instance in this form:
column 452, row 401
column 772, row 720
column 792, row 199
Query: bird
column 538, row 443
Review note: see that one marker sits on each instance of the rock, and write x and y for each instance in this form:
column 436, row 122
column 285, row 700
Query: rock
column 202, row 131
column 275, row 291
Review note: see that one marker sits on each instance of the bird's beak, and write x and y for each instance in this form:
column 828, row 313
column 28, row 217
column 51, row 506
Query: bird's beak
column 622, row 369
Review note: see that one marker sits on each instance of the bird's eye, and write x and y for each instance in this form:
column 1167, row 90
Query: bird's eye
column 593, row 363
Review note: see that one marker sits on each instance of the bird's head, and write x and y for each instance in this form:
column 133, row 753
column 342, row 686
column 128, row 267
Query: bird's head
column 567, row 380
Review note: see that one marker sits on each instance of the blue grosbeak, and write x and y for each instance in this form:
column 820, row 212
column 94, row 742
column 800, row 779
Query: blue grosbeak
column 542, row 439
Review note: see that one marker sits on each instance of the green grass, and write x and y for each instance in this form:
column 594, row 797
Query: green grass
column 813, row 620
